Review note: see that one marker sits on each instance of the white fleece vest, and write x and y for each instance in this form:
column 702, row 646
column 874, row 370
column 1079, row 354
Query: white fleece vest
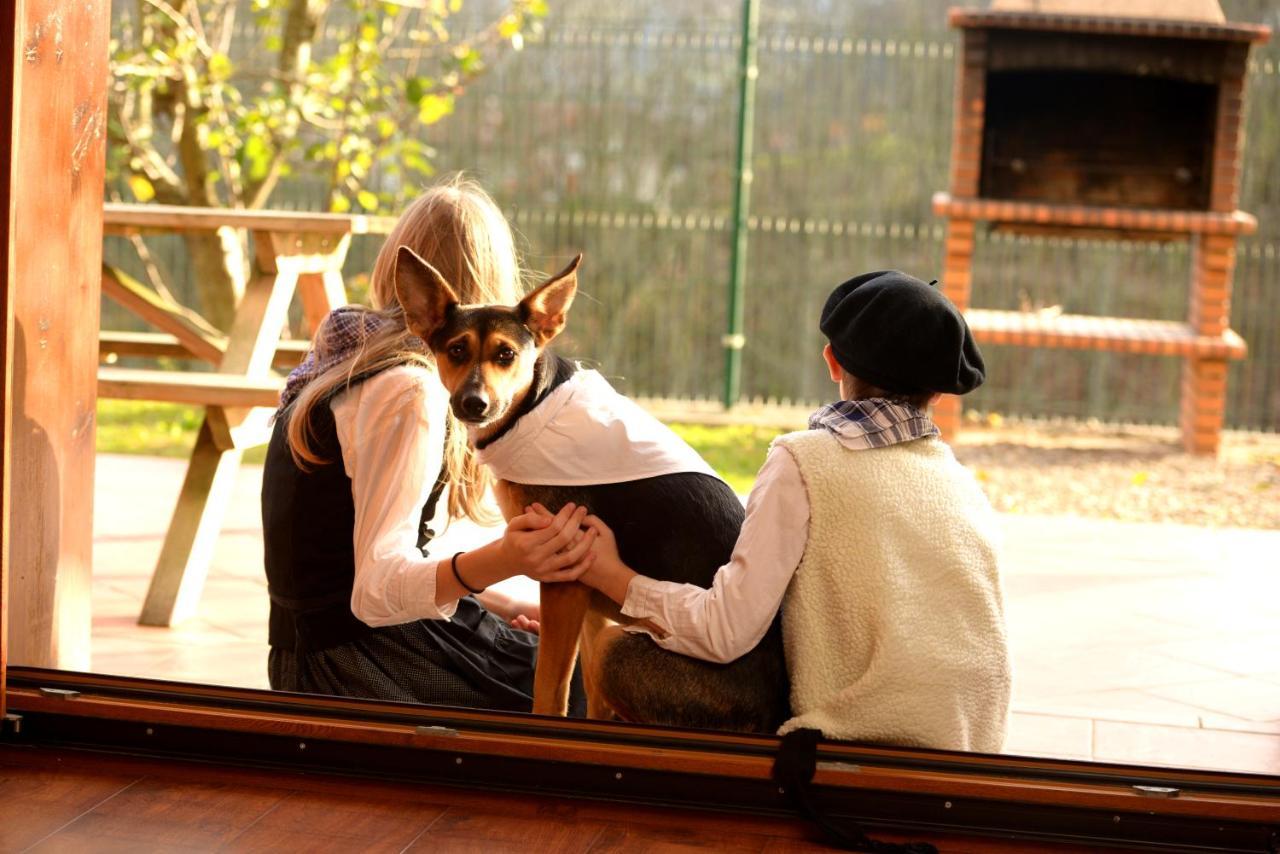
column 584, row 433
column 893, row 623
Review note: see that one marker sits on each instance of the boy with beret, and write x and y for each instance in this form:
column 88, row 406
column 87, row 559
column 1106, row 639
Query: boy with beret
column 879, row 547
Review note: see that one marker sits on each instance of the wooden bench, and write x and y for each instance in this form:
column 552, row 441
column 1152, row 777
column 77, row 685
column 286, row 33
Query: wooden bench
column 296, row 254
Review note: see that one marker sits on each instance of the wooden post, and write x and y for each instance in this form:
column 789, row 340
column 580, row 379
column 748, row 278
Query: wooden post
column 54, row 239
column 8, row 97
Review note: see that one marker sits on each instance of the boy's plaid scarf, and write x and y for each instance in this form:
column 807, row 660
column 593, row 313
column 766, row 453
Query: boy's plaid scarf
column 342, row 332
column 872, row 423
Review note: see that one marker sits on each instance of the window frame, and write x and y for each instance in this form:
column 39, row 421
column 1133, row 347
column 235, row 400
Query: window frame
column 883, row 787
column 914, row 790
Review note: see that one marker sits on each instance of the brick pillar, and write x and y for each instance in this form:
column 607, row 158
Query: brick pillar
column 1204, row 381
column 967, row 124
column 957, row 282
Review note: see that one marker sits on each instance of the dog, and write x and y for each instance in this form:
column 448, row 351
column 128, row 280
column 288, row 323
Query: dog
column 678, row 525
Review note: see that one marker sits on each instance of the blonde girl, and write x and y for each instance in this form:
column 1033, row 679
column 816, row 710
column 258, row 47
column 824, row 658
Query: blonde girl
column 363, row 450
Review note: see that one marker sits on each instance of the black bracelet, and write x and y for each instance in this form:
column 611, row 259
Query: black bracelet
column 453, row 564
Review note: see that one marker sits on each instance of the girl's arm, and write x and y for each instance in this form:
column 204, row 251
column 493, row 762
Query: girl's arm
column 729, row 619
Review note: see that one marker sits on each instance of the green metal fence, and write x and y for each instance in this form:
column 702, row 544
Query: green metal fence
column 615, row 135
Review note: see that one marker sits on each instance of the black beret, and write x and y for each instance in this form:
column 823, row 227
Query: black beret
column 894, row 331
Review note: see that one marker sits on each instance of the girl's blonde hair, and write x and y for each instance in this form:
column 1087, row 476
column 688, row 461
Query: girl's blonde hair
column 459, row 229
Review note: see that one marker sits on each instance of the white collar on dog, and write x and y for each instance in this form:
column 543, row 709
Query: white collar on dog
column 585, row 432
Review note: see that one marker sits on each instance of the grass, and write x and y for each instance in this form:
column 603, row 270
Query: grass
column 169, row 430
column 152, row 429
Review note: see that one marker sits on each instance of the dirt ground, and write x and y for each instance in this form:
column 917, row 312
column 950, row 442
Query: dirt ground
column 1138, row 474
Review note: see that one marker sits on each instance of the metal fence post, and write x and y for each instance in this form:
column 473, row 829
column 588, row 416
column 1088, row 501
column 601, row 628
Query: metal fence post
column 734, row 339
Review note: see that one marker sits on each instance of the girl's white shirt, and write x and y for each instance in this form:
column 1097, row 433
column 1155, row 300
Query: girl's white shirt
column 392, row 455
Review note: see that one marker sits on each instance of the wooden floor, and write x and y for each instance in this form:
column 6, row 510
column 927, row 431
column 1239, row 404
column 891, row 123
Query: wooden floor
column 53, row 801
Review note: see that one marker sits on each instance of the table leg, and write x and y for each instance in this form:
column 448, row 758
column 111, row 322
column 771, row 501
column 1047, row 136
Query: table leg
column 176, row 584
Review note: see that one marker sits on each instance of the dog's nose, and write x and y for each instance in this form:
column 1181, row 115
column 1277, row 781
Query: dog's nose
column 474, row 405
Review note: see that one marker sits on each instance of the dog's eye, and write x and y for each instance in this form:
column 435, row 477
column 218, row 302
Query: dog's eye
column 457, row 351
column 505, row 356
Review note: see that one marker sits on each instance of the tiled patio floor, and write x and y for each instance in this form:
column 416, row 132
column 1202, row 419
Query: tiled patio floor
column 1154, row 644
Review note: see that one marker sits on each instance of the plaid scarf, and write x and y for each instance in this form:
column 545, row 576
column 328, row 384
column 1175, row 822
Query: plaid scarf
column 872, row 423
column 343, row 332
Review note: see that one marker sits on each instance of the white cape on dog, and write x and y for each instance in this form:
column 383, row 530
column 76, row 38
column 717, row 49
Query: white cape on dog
column 584, row 432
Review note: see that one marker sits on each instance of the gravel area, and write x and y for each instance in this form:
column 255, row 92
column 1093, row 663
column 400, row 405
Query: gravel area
column 1136, row 474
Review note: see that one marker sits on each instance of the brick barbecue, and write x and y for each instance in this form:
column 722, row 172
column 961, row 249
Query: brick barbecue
column 1105, row 118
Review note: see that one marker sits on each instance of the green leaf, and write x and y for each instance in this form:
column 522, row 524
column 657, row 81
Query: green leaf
column 416, row 87
column 386, row 127
column 508, row 26
column 256, row 157
column 141, row 188
column 220, row 67
column 433, row 108
column 368, row 200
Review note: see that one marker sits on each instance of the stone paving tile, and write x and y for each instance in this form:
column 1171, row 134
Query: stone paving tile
column 1252, row 699
column 1216, row 721
column 1185, row 747
column 1045, row 675
column 1255, row 656
column 1053, row 736
column 1120, row 704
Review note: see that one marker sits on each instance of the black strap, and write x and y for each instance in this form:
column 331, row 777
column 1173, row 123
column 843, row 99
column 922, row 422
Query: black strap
column 425, row 532
column 794, row 769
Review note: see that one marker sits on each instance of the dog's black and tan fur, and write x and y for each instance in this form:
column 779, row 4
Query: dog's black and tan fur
column 679, row 527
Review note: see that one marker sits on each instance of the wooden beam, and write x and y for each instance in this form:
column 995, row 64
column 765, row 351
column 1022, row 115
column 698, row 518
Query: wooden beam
column 200, row 338
column 201, row 389
column 54, row 271
column 128, row 218
column 161, row 345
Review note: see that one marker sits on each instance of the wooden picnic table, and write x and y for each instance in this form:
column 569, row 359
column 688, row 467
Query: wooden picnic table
column 296, row 254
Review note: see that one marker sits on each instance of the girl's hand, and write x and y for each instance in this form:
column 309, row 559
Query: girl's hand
column 525, row 616
column 549, row 548
column 525, row 624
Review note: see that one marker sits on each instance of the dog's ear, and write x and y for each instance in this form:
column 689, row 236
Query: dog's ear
column 425, row 296
column 544, row 310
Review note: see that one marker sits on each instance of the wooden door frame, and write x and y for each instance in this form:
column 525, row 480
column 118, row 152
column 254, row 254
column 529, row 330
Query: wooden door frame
column 907, row 789
column 8, row 42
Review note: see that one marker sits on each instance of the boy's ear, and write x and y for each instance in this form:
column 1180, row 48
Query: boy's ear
column 833, row 367
column 425, row 296
column 544, row 310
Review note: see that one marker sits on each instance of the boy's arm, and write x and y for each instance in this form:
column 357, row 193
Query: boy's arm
column 727, row 620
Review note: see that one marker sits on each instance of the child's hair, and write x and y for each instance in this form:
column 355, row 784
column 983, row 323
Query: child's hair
column 457, row 227
column 856, row 388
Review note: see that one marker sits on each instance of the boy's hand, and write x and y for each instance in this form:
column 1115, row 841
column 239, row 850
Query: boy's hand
column 608, row 573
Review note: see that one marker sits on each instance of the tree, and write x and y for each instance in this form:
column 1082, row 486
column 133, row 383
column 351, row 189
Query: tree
column 199, row 116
